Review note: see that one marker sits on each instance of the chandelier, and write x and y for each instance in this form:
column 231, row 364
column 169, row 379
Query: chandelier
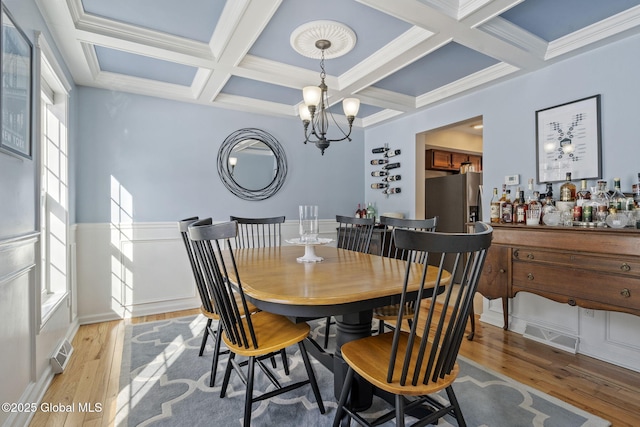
column 315, row 109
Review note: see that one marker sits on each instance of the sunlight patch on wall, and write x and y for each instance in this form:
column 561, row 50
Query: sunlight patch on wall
column 121, row 249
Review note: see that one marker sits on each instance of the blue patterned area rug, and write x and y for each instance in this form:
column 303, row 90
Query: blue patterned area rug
column 163, row 382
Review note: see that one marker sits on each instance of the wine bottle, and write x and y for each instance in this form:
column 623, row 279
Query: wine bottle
column 379, row 185
column 358, row 211
column 394, row 190
column 379, row 173
column 392, row 178
column 379, row 150
column 379, row 161
column 391, row 166
column 392, row 153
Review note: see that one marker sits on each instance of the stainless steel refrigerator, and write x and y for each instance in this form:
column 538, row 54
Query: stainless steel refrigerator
column 455, row 199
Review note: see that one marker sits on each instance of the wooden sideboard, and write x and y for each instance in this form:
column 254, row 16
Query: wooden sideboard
column 590, row 268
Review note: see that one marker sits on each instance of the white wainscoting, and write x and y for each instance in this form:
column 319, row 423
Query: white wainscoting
column 139, row 269
column 605, row 335
column 17, row 276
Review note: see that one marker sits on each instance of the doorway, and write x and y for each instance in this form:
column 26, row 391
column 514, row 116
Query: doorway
column 463, row 137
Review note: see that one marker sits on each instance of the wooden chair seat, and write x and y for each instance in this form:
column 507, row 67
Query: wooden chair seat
column 369, row 357
column 273, row 332
column 390, row 312
column 214, row 316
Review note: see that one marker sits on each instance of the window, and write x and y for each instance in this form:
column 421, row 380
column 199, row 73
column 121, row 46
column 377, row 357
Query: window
column 54, row 191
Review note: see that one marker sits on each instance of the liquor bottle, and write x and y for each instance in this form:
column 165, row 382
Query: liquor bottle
column 502, row 200
column 515, row 203
column 507, row 209
column 358, row 211
column 379, row 161
column 392, row 153
column 495, row 206
column 379, row 173
column 392, row 178
column 584, row 195
column 521, row 210
column 363, row 212
column 600, row 202
column 379, row 185
column 388, row 191
column 567, row 194
column 379, row 150
column 529, row 195
column 617, row 199
column 370, row 211
column 534, row 209
column 391, row 166
column 549, row 192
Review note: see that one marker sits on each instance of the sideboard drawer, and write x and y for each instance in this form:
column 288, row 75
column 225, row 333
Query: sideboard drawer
column 576, row 285
column 615, row 264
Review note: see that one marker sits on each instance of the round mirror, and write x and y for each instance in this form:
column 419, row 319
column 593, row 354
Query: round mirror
column 252, row 164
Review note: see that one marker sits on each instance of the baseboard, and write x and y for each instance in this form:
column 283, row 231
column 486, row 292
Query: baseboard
column 142, row 310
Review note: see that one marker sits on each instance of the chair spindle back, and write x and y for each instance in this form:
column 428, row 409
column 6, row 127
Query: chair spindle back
column 258, row 232
column 354, row 234
column 442, row 325
column 222, row 278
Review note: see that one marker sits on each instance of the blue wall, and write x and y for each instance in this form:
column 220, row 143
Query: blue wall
column 508, row 110
column 164, row 153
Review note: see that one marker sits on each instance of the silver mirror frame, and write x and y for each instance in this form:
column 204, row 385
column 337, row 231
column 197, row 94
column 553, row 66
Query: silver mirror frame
column 225, row 173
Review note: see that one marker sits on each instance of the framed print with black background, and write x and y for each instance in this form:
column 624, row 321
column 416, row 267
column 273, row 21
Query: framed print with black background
column 16, row 89
column 568, row 140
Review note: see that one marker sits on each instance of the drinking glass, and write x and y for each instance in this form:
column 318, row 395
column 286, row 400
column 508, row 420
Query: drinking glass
column 308, row 223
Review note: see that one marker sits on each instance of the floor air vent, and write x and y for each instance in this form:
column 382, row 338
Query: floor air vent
column 61, row 357
column 552, row 338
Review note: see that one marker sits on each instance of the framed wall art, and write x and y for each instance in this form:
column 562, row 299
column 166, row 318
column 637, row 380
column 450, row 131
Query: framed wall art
column 568, row 140
column 16, row 89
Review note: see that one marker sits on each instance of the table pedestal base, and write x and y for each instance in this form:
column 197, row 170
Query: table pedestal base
column 352, row 327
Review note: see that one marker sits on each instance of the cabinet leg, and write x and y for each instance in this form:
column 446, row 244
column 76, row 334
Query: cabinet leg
column 472, row 319
column 505, row 313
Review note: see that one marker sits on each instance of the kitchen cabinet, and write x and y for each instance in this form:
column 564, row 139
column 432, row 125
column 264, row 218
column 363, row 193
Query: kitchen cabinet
column 450, row 160
column 589, row 268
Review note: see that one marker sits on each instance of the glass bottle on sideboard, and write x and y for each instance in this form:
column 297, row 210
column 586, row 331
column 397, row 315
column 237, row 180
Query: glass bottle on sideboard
column 495, row 206
column 584, row 195
column 534, row 209
column 617, row 199
column 567, row 199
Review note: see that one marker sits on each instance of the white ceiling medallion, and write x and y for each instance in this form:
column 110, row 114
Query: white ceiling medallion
column 342, row 38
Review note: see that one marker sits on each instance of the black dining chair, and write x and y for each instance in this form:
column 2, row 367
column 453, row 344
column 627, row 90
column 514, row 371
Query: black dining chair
column 388, row 249
column 257, row 335
column 354, row 234
column 207, row 308
column 413, row 365
column 258, row 232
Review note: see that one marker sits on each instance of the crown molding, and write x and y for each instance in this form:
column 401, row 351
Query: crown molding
column 594, row 33
column 470, row 82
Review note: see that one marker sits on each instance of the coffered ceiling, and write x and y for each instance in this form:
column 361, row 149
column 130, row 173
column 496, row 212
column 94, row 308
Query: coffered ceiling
column 408, row 54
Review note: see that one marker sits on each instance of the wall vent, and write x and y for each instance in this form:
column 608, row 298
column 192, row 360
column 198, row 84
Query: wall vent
column 552, row 338
column 60, row 358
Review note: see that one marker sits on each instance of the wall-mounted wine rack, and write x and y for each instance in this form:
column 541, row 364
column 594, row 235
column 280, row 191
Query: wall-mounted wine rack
column 388, row 173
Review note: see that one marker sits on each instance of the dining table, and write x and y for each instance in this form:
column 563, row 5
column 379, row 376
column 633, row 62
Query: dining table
column 345, row 284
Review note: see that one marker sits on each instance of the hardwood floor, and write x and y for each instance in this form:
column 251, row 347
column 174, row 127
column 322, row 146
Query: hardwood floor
column 595, row 386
